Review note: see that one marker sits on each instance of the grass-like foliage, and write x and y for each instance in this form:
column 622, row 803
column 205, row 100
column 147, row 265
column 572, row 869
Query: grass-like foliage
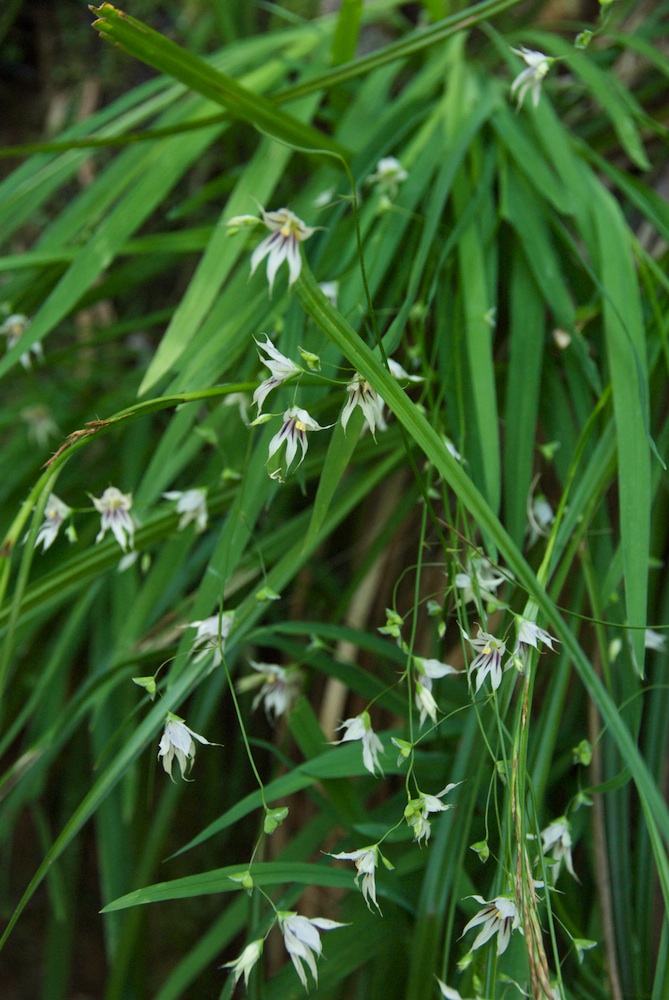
column 334, row 418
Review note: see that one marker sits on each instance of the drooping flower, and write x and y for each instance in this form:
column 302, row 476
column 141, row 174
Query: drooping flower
column 556, row 844
column 480, row 581
column 399, row 373
column 655, row 640
column 296, row 423
column 489, row 658
column 279, row 691
column 529, row 634
column 177, row 741
column 248, row 958
column 283, row 243
column 531, row 78
column 540, row 517
column 330, row 290
column 211, row 635
column 40, row 423
column 427, row 671
column 366, row 860
column 13, row 328
column 55, row 514
column 280, row 366
column 448, row 992
column 360, row 728
column 192, row 505
column 360, row 393
column 417, row 810
column 388, row 176
column 114, row 508
column 499, row 916
column 302, row 940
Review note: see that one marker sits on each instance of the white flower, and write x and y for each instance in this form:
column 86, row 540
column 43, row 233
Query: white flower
column 192, row 505
column 302, row 940
column 283, row 243
column 113, row 507
column 40, row 423
column 177, row 741
column 531, row 78
column 211, row 634
column 241, row 401
column 480, row 581
column 556, row 844
column 397, row 372
column 279, row 691
column 489, row 659
column 13, row 328
column 55, row 514
column 499, row 916
column 540, row 517
column 330, row 290
column 448, row 992
column 360, row 728
column 246, row 961
column 417, row 810
column 529, row 634
column 361, row 394
column 655, row 640
column 280, row 366
column 366, row 860
column 389, row 175
column 296, row 423
column 428, row 670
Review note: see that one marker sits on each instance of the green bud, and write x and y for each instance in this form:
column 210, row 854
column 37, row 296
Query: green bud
column 274, row 818
column 148, row 683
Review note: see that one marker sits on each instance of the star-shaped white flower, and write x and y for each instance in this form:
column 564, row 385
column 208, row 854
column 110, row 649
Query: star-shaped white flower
column 480, row 581
column 55, row 513
column 366, row 860
column 531, row 78
column 283, row 243
column 279, row 365
column 13, row 328
column 417, row 810
column 114, row 508
column 211, row 635
column 296, row 423
column 192, row 505
column 489, row 658
column 302, row 940
column 556, row 843
column 499, row 916
column 177, row 741
column 360, row 728
column 279, row 688
column 388, row 176
column 529, row 634
column 360, row 393
column 248, row 958
column 427, row 671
